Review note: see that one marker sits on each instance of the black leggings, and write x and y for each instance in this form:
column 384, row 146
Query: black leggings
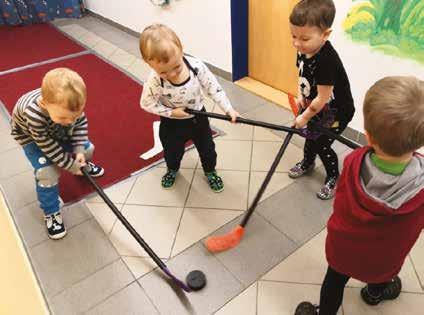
column 333, row 288
column 322, row 147
column 174, row 133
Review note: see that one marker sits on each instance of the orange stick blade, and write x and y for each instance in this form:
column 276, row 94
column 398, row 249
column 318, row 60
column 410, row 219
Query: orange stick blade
column 224, row 242
column 292, row 102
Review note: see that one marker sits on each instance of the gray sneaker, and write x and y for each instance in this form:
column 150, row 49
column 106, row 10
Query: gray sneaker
column 299, row 170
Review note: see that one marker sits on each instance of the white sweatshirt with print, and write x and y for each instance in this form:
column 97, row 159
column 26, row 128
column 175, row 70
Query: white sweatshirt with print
column 161, row 97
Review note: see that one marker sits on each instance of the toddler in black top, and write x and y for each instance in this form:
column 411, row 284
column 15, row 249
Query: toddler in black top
column 324, row 89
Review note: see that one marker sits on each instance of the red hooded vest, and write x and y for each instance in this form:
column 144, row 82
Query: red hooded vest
column 366, row 239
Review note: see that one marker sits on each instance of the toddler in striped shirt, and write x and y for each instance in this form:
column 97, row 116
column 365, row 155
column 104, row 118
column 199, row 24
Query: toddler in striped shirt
column 51, row 126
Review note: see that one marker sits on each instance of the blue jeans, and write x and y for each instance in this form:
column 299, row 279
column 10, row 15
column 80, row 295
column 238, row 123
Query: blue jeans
column 47, row 175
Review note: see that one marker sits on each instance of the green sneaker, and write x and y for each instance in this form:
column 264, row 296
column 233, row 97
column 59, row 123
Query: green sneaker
column 168, row 179
column 215, row 182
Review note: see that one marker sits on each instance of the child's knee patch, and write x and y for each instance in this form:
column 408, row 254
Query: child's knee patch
column 47, row 176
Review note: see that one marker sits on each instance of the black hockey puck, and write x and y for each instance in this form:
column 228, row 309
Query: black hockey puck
column 196, row 280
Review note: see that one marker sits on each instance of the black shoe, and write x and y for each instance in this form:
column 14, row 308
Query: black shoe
column 55, row 227
column 390, row 292
column 95, row 170
column 306, row 308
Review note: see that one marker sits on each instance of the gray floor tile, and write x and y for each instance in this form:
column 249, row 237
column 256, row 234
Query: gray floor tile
column 352, row 134
column 242, row 100
column 92, row 290
column 60, row 264
column 62, row 22
column 4, row 123
column 262, row 247
column 271, row 113
column 6, row 141
column 19, row 190
column 13, row 162
column 30, row 221
column 220, row 288
column 130, row 301
column 87, row 21
column 361, row 139
column 296, row 211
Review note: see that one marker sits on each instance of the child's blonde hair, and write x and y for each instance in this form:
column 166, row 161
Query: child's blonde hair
column 158, row 42
column 394, row 114
column 64, row 87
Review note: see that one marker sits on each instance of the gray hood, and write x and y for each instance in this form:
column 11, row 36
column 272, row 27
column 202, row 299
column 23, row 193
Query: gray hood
column 391, row 190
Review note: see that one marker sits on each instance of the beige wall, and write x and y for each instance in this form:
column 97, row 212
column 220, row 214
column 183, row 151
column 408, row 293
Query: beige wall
column 19, row 291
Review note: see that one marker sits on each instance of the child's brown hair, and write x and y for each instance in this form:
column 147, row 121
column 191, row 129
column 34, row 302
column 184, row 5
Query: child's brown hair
column 64, row 86
column 158, row 42
column 319, row 13
column 394, row 114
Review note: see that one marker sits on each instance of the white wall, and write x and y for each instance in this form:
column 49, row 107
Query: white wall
column 204, row 26
column 364, row 66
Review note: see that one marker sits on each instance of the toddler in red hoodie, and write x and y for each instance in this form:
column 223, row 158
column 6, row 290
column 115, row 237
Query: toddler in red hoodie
column 379, row 204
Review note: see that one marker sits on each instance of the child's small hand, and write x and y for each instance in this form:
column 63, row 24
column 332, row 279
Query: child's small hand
column 233, row 114
column 80, row 162
column 300, row 102
column 300, row 122
column 80, row 158
column 179, row 113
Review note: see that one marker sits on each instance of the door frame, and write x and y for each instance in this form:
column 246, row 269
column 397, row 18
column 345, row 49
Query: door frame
column 240, row 38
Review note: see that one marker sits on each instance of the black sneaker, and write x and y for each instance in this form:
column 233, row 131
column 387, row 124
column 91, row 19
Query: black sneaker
column 55, row 227
column 391, row 292
column 168, row 180
column 95, row 170
column 328, row 190
column 215, row 182
column 306, row 308
column 299, row 169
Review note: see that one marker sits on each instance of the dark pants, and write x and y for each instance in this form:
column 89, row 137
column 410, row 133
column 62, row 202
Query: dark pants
column 174, row 133
column 333, row 288
column 322, row 147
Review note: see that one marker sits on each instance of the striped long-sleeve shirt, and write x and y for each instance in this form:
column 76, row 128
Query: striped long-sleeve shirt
column 31, row 123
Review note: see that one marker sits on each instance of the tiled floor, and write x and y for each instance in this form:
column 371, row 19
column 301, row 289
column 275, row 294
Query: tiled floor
column 99, row 269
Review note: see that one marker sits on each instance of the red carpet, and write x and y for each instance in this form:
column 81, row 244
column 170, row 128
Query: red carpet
column 25, row 45
column 118, row 127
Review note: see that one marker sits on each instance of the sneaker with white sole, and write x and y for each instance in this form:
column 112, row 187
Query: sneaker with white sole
column 95, row 170
column 301, row 169
column 55, row 226
column 328, row 190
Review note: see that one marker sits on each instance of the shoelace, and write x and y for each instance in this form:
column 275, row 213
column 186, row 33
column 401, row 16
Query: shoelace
column 54, row 222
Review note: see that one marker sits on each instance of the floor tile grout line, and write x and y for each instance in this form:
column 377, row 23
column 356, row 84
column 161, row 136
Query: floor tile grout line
column 122, row 207
column 107, row 297
column 250, row 171
column 85, row 277
column 182, row 212
column 148, row 296
column 416, row 272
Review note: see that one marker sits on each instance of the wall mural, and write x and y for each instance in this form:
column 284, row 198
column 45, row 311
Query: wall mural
column 395, row 27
